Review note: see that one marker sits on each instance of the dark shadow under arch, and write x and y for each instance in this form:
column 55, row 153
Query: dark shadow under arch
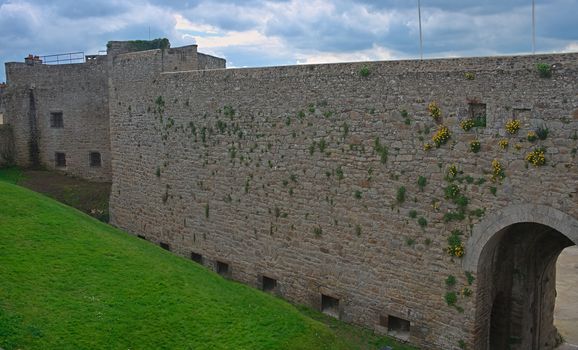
column 516, row 288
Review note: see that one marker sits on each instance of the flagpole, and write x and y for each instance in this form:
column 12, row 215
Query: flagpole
column 533, row 27
column 420, row 35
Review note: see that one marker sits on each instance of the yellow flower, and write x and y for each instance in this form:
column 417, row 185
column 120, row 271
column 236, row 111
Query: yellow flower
column 441, row 136
column 497, row 170
column 532, row 136
column 427, row 146
column 512, row 126
column 503, row 143
column 434, row 110
column 467, row 124
column 537, row 157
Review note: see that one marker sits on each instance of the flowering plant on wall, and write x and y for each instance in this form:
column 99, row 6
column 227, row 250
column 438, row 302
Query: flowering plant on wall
column 512, row 126
column 504, row 143
column 434, row 110
column 537, row 157
column 467, row 124
column 441, row 136
column 497, row 170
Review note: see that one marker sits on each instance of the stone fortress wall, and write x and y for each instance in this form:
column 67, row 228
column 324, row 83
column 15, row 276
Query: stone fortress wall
column 74, row 93
column 77, row 94
column 304, row 180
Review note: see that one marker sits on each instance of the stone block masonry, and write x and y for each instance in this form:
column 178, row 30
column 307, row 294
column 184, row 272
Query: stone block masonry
column 60, row 113
column 337, row 181
column 6, row 145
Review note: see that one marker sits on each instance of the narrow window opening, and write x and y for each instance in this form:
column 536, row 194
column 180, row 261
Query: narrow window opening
column 269, row 284
column 330, row 305
column 95, row 159
column 141, row 237
column 398, row 327
column 56, row 120
column 60, row 159
column 165, row 246
column 198, row 258
column 477, row 112
column 222, row 268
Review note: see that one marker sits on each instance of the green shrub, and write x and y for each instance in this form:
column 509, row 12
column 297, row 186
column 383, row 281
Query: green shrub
column 451, row 298
column 400, row 197
column 544, row 69
column 451, row 281
column 364, row 71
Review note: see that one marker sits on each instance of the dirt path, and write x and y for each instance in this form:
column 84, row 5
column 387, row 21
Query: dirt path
column 566, row 312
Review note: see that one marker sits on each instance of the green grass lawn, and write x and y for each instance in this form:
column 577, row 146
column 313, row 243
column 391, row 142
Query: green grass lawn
column 68, row 281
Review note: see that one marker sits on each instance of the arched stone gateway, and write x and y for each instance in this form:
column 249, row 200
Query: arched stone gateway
column 513, row 253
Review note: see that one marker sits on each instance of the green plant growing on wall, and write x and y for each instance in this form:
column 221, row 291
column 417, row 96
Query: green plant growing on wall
column 358, row 230
column 357, row 194
column 451, row 298
column 498, row 172
column 207, row 210
column 312, row 148
column 493, row 190
column 469, row 277
column 317, row 231
column 434, row 110
column 339, row 173
column 410, row 241
column 532, row 136
column 364, row 71
column 400, row 197
column 542, row 132
column 158, row 171
column 537, row 157
column 229, row 111
column 344, row 129
column 451, row 281
column 467, row 124
column 381, row 150
column 475, row 146
column 422, row 222
column 462, row 344
column 469, row 75
column 544, row 70
column 455, row 245
column 412, row 214
column 512, row 126
column 322, row 145
column 441, row 136
column 467, row 292
column 421, row 182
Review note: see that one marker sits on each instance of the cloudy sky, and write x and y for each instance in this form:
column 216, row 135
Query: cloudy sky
column 250, row 33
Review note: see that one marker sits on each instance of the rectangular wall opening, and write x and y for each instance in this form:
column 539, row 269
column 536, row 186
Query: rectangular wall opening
column 269, row 284
column 477, row 112
column 60, row 159
column 56, row 120
column 198, row 258
column 165, row 246
column 95, row 159
column 330, row 305
column 223, row 268
column 398, row 327
column 141, row 237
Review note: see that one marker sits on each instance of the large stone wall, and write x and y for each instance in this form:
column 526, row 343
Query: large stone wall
column 279, row 172
column 80, row 92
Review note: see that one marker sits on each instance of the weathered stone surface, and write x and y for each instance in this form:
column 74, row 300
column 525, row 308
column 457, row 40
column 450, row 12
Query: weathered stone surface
column 296, row 173
column 279, row 204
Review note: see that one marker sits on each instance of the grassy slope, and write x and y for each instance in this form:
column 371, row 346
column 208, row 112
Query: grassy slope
column 71, row 282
